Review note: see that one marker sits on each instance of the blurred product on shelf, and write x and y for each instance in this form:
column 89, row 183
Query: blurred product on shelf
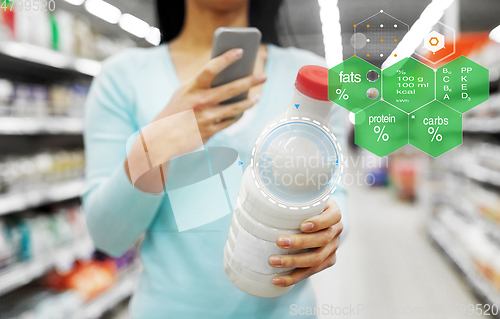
column 88, row 287
column 473, row 181
column 478, row 199
column 64, row 40
column 487, row 157
column 33, row 27
column 68, row 99
column 398, row 170
column 32, row 235
column 478, row 160
column 481, row 249
column 59, row 30
column 38, row 101
column 124, row 261
column 23, row 173
column 7, row 25
column 78, row 276
column 486, row 201
column 485, row 117
column 6, row 96
column 88, row 279
column 40, row 303
column 403, row 173
column 380, row 176
column 375, row 169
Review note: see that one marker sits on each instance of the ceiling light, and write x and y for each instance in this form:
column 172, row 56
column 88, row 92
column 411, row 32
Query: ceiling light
column 134, row 25
column 495, row 34
column 103, row 10
column 75, row 2
column 87, row 66
column 154, row 36
column 332, row 38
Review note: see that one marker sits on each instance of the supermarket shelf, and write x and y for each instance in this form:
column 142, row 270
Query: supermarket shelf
column 491, row 229
column 465, row 208
column 459, row 205
column 34, row 126
column 109, row 299
column 47, row 57
column 482, row 125
column 24, row 272
column 481, row 287
column 16, row 202
column 482, row 174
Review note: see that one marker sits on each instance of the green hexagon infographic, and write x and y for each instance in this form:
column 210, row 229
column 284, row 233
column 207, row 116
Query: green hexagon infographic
column 435, row 128
column 415, row 104
column 354, row 84
column 462, row 84
column 381, row 128
column 408, row 84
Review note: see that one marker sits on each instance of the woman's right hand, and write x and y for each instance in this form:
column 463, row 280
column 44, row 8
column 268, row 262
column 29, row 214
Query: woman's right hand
column 170, row 136
column 198, row 95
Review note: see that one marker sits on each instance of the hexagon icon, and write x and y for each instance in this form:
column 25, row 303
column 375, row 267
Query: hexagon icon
column 408, row 84
column 434, row 41
column 381, row 128
column 435, row 128
column 377, row 36
column 354, row 84
column 436, row 50
column 462, row 84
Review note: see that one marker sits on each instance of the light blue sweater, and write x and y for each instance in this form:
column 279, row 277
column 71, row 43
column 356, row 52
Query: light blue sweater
column 183, row 271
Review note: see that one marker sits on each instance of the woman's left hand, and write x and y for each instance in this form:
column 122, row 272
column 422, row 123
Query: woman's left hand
column 320, row 232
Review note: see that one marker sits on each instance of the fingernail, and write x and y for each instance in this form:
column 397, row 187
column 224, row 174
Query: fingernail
column 275, row 261
column 284, row 241
column 261, row 77
column 238, row 53
column 278, row 281
column 256, row 98
column 307, row 226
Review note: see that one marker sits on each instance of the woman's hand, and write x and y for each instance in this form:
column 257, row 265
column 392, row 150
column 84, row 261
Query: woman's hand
column 320, row 232
column 205, row 101
column 177, row 132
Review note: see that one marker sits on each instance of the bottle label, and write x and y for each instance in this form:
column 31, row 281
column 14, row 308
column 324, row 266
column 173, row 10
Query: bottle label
column 253, row 253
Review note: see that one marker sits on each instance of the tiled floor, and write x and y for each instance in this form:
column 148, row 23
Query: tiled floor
column 387, row 266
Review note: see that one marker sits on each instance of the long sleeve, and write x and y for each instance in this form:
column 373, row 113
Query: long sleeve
column 116, row 212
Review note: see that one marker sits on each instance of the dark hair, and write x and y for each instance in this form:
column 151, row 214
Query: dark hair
column 263, row 15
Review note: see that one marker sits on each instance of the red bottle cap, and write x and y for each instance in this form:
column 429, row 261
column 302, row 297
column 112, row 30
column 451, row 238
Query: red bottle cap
column 312, row 80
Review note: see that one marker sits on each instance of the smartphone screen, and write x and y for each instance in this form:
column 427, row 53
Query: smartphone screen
column 226, row 39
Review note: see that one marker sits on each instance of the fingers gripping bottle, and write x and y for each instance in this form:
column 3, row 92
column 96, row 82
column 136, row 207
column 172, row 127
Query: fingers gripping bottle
column 290, row 178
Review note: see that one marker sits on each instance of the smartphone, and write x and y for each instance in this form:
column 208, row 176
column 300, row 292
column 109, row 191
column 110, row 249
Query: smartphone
column 226, row 39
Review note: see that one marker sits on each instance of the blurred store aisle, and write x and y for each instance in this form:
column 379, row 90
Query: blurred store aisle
column 387, row 264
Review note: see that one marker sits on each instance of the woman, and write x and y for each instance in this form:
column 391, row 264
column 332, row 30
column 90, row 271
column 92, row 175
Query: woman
column 183, row 271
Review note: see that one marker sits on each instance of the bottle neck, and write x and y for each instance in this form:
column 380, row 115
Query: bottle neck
column 306, row 104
